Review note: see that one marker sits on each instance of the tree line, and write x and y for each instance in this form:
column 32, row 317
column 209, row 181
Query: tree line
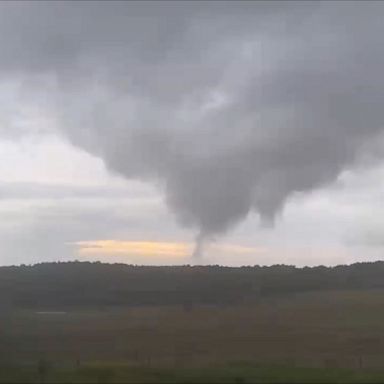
column 69, row 284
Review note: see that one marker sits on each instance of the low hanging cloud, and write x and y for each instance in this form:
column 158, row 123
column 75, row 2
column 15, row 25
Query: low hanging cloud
column 231, row 108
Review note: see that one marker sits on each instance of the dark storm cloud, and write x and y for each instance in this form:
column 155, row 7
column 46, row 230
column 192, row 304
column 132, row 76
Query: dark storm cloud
column 232, row 107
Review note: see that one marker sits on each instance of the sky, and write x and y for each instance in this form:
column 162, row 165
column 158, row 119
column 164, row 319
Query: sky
column 233, row 133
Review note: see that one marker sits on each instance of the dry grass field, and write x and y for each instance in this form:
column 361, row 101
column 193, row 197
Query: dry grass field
column 324, row 330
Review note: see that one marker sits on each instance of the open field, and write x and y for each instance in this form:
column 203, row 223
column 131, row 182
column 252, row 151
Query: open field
column 327, row 335
column 236, row 373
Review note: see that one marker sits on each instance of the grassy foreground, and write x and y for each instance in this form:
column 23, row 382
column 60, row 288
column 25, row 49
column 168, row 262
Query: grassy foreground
column 323, row 337
column 230, row 373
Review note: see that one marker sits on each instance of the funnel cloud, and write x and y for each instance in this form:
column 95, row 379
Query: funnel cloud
column 230, row 108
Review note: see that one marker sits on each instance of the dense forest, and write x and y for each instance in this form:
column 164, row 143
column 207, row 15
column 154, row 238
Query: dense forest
column 58, row 285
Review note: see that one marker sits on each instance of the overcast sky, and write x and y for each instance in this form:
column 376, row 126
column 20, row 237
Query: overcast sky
column 234, row 133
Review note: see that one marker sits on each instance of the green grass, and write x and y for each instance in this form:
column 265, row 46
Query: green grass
column 230, row 373
column 312, row 337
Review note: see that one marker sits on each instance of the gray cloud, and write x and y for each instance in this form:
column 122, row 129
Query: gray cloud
column 230, row 107
column 30, row 191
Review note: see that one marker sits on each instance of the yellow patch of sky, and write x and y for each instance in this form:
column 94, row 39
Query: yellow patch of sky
column 153, row 249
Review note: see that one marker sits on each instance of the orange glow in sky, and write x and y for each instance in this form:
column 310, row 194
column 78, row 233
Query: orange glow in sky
column 152, row 249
